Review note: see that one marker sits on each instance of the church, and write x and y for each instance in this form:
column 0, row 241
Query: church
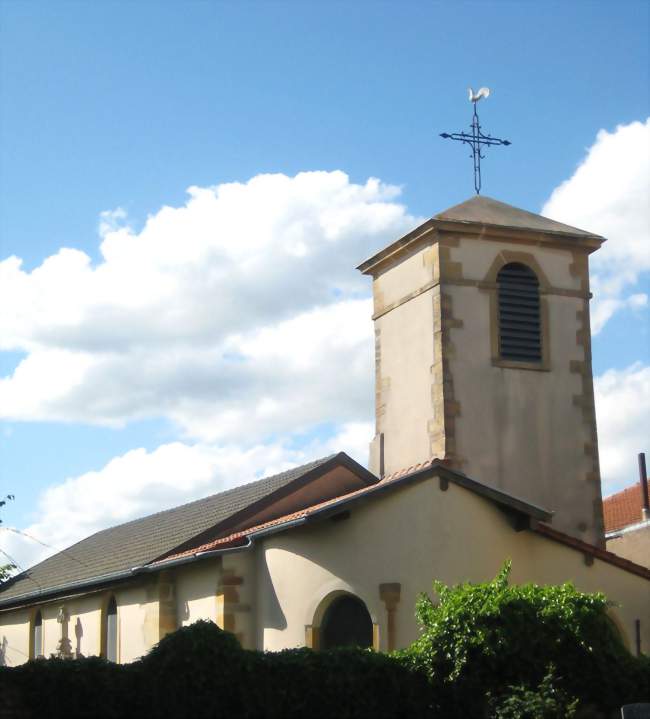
column 485, row 450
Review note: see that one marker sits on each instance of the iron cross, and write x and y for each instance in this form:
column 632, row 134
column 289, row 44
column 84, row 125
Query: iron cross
column 477, row 140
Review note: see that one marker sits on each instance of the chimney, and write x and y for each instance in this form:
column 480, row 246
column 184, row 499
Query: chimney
column 643, row 479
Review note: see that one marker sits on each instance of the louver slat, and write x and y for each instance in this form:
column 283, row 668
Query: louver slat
column 519, row 314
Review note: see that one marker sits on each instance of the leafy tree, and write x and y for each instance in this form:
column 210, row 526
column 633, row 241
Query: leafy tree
column 547, row 701
column 489, row 637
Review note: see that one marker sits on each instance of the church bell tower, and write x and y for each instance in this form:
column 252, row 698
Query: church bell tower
column 483, row 356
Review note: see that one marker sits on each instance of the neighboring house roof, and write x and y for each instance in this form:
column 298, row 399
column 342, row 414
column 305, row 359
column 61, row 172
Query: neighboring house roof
column 481, row 215
column 113, row 553
column 623, row 508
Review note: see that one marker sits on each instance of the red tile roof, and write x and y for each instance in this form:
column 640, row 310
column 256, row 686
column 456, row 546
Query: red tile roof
column 623, row 508
column 240, row 537
column 591, row 550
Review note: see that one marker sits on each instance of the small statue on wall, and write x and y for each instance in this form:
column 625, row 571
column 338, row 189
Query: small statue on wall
column 64, row 647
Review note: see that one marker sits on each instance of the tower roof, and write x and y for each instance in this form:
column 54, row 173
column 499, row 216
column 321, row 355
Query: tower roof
column 482, row 215
column 486, row 211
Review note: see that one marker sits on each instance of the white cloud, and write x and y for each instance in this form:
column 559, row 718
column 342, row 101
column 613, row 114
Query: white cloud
column 623, row 414
column 608, row 194
column 236, row 315
column 140, row 483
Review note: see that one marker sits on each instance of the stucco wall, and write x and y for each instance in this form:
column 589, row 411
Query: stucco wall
column 404, row 403
column 14, row 637
column 529, row 432
column 137, row 619
column 523, row 430
column 196, row 592
column 84, row 626
column 452, row 536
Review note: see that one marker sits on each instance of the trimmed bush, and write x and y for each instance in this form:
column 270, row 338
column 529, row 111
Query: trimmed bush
column 197, row 671
column 344, row 683
column 55, row 688
column 201, row 671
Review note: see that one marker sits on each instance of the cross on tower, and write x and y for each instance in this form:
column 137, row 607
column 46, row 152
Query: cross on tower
column 477, row 139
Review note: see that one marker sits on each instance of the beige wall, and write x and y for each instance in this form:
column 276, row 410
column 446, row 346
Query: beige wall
column 84, row 626
column 405, row 344
column 452, row 536
column 136, row 616
column 521, row 430
column 14, row 636
column 633, row 544
column 439, row 393
column 137, row 620
column 404, row 356
column 196, row 592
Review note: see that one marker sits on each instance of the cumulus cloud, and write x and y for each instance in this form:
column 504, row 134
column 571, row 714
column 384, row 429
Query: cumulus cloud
column 238, row 313
column 623, row 414
column 608, row 194
column 140, row 482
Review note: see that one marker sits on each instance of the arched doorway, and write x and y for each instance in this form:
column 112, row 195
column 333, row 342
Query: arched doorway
column 346, row 623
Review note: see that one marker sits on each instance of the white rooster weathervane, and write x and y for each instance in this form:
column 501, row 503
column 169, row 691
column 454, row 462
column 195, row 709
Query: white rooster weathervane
column 477, row 139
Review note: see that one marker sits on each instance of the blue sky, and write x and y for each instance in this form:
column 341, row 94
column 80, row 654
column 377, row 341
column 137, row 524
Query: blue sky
column 125, row 105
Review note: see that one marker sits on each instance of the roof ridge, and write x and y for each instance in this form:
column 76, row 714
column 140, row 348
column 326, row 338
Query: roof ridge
column 632, row 488
column 313, row 463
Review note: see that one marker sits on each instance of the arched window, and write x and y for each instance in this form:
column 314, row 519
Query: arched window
column 111, row 630
column 346, row 623
column 520, row 330
column 37, row 638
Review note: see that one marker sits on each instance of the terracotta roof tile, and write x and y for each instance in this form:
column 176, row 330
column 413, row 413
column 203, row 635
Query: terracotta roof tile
column 238, row 538
column 623, row 508
column 592, row 551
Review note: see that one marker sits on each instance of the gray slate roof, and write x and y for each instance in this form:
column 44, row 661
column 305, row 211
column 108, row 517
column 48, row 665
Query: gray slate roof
column 116, row 550
column 485, row 210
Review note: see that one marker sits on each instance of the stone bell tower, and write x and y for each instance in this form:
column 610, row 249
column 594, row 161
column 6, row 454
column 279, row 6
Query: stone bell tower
column 483, row 356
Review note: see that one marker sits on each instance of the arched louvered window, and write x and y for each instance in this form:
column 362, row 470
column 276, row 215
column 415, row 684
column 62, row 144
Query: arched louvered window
column 520, row 330
column 111, row 630
column 37, row 647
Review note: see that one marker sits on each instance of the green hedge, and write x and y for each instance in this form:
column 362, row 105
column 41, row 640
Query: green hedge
column 201, row 671
column 487, row 650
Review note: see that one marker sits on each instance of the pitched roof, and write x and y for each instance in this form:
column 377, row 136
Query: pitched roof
column 423, row 470
column 115, row 551
column 623, row 508
column 486, row 211
column 482, row 215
